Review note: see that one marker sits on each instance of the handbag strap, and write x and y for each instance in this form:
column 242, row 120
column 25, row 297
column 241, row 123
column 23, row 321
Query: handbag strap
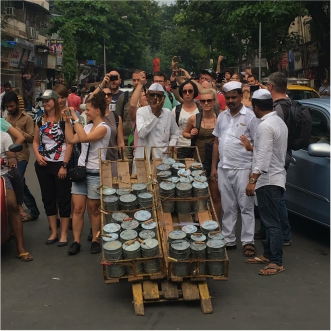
column 88, row 149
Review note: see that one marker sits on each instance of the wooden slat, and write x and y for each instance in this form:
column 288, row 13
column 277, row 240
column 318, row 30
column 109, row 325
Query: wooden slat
column 138, row 302
column 167, row 219
column 135, row 279
column 141, row 171
column 106, row 174
column 156, row 162
column 188, row 162
column 204, row 216
column 205, row 299
column 169, row 290
column 123, row 174
column 185, row 218
column 150, row 290
column 190, row 291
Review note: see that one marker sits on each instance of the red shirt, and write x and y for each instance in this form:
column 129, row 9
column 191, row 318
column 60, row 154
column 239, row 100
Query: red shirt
column 74, row 101
column 220, row 99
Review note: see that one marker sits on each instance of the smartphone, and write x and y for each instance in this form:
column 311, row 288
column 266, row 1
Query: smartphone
column 113, row 77
column 68, row 113
column 220, row 77
column 181, row 73
column 176, row 59
column 253, row 88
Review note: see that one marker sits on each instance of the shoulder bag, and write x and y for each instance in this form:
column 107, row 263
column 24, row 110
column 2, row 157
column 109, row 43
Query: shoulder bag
column 78, row 174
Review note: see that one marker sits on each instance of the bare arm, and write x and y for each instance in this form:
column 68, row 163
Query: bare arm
column 41, row 160
column 218, row 68
column 190, row 129
column 120, row 136
column 19, row 138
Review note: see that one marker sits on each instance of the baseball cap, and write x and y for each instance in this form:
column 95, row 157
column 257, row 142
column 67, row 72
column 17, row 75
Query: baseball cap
column 48, row 94
column 209, row 72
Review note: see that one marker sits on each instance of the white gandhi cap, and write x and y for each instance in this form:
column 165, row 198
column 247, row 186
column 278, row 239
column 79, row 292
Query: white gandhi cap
column 156, row 87
column 231, row 86
column 261, row 94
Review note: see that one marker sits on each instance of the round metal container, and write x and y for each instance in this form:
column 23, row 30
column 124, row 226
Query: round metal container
column 167, row 190
column 147, row 234
column 113, row 250
column 198, row 251
column 176, row 235
column 114, row 236
column 122, row 191
column 175, row 180
column 149, row 248
column 139, row 188
column 216, row 268
column 163, row 175
column 110, row 202
column 163, row 167
column 198, row 237
column 176, row 166
column 189, row 230
column 108, row 191
column 142, row 215
column 196, row 166
column 183, row 190
column 118, row 217
column 115, row 271
column 168, row 160
column 130, row 270
column 111, row 228
column 208, row 226
column 200, row 179
column 188, row 179
column 217, row 235
column 131, row 251
column 149, row 226
column 128, row 202
column 184, row 173
column 130, row 225
column 180, row 250
column 128, row 235
column 215, row 249
column 145, row 199
column 196, row 173
column 200, row 190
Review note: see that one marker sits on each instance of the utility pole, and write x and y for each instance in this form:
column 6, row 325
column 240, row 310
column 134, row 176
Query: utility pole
column 104, row 57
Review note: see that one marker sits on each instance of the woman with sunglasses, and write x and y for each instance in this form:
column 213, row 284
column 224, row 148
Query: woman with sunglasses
column 188, row 91
column 205, row 139
column 92, row 136
column 52, row 156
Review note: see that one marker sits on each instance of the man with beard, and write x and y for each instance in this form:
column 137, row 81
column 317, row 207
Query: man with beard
column 114, row 85
column 155, row 124
column 234, row 166
column 24, row 124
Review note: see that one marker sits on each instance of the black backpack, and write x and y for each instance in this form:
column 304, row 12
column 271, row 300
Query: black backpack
column 299, row 124
column 198, row 125
column 179, row 108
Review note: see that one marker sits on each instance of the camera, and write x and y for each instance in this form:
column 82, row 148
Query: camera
column 253, row 88
column 149, row 76
column 113, row 77
column 220, row 77
column 176, row 59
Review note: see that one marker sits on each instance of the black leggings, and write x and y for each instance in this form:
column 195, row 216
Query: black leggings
column 16, row 180
column 55, row 193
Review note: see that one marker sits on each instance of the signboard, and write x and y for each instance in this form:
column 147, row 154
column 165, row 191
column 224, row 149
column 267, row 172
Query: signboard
column 25, row 57
column 297, row 60
column 16, row 57
column 51, row 61
column 91, row 62
column 56, row 47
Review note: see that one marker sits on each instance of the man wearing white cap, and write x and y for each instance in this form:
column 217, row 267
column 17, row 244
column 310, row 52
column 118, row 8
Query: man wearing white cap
column 234, row 166
column 268, row 178
column 155, row 125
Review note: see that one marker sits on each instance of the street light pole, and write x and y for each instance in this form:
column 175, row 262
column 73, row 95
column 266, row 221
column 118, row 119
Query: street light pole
column 260, row 28
column 104, row 57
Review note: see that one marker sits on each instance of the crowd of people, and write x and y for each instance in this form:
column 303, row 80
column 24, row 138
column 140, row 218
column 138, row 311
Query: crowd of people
column 237, row 124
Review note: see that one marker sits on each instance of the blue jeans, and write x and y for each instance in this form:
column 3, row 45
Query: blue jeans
column 272, row 209
column 28, row 199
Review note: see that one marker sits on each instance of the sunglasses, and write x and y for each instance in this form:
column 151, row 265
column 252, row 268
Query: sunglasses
column 108, row 94
column 153, row 95
column 187, row 91
column 203, row 101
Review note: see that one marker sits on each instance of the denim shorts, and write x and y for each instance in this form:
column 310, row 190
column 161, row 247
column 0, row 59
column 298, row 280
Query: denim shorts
column 90, row 186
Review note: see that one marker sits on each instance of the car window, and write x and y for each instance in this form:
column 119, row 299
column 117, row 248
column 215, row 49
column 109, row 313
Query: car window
column 301, row 94
column 320, row 132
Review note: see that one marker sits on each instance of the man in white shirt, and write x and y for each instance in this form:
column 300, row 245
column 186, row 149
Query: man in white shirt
column 268, row 179
column 324, row 90
column 156, row 126
column 234, row 166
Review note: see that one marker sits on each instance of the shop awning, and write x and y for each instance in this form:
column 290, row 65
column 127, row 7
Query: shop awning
column 7, row 44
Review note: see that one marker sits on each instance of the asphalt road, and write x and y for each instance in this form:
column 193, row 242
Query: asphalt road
column 78, row 298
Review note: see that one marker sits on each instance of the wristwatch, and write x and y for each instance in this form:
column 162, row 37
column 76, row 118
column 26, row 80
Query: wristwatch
column 100, row 87
column 252, row 180
column 64, row 165
column 78, row 120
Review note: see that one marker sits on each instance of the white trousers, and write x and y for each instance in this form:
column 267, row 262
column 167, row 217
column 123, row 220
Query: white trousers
column 232, row 185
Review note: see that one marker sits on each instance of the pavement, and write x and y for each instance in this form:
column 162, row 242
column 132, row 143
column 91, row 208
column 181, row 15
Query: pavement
column 56, row 291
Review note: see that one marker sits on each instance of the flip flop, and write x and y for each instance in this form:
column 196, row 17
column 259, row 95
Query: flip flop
column 278, row 270
column 256, row 260
column 23, row 255
column 249, row 250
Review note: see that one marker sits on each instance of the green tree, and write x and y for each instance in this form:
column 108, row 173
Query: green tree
column 69, row 68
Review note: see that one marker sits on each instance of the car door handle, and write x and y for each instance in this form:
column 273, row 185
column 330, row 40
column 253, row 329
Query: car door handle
column 293, row 162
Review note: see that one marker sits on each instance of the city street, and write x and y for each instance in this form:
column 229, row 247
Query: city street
column 57, row 291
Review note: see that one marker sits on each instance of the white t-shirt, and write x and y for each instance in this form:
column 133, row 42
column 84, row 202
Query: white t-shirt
column 182, row 121
column 6, row 141
column 93, row 155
